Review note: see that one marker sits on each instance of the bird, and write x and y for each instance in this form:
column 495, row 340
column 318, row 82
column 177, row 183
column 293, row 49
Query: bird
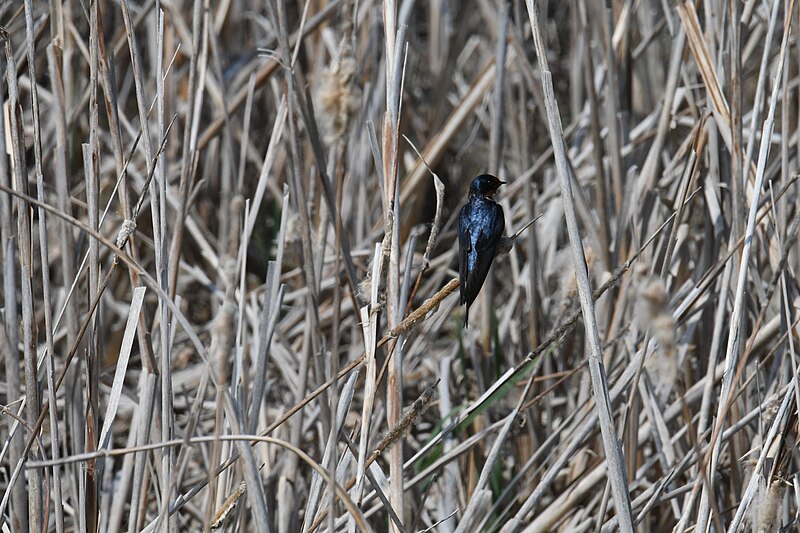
column 480, row 229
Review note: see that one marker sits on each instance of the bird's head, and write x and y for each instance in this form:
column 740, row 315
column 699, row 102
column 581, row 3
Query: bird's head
column 485, row 185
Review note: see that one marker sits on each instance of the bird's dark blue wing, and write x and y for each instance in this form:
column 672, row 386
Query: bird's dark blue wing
column 492, row 227
column 464, row 247
column 481, row 226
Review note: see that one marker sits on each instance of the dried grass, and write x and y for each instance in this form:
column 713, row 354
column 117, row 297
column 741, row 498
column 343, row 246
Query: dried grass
column 227, row 235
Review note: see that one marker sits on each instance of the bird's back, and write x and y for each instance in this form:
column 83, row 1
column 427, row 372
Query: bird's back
column 481, row 224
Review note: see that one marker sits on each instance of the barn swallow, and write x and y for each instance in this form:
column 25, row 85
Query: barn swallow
column 480, row 228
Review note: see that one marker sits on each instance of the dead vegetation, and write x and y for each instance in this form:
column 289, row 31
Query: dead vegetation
column 227, row 234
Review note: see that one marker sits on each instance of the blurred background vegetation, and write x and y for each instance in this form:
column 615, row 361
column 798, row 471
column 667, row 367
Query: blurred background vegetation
column 227, row 234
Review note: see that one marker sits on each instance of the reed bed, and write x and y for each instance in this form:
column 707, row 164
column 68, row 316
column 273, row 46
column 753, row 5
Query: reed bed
column 230, row 274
